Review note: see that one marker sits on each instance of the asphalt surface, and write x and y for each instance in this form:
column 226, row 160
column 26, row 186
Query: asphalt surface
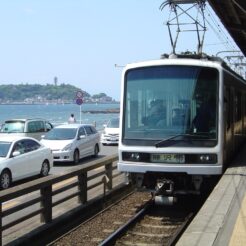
column 60, row 168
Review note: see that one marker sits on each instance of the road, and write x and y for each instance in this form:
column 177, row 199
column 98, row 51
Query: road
column 59, row 168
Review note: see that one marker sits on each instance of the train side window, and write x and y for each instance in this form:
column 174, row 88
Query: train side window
column 244, row 103
column 238, row 106
column 228, row 108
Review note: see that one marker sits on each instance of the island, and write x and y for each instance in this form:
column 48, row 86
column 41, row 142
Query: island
column 47, row 94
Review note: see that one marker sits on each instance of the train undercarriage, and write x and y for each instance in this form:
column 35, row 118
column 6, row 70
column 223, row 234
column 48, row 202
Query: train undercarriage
column 167, row 187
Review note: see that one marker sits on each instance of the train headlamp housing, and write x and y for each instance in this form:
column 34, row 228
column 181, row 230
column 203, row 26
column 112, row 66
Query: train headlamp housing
column 204, row 158
column 135, row 156
column 207, row 158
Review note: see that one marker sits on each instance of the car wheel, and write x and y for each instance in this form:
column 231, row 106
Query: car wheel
column 96, row 150
column 76, row 157
column 45, row 169
column 5, row 179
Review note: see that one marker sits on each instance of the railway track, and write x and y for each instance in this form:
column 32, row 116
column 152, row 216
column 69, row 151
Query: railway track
column 152, row 225
column 134, row 220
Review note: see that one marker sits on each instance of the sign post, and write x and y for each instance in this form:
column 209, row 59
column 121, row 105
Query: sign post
column 79, row 101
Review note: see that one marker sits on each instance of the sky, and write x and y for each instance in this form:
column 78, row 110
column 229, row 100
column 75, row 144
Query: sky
column 80, row 41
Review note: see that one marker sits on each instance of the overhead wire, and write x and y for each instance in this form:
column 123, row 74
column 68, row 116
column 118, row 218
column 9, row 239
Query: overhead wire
column 208, row 16
column 227, row 42
column 211, row 19
column 220, row 32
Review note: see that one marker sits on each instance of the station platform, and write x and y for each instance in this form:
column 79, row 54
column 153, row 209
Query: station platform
column 222, row 219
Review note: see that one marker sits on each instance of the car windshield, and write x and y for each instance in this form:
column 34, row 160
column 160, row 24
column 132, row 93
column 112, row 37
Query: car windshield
column 179, row 103
column 61, row 134
column 113, row 123
column 13, row 126
column 4, row 148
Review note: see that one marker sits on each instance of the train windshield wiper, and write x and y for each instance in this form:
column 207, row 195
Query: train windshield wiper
column 160, row 143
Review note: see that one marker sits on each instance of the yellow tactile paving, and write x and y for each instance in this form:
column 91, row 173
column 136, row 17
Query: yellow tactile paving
column 239, row 232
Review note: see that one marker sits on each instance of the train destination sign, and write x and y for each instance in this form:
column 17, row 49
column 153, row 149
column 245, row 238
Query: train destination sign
column 168, row 158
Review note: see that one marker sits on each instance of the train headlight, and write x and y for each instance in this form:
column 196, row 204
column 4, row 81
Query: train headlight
column 135, row 156
column 208, row 158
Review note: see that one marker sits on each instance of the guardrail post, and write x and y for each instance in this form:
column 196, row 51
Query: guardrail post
column 46, row 204
column 109, row 173
column 82, row 182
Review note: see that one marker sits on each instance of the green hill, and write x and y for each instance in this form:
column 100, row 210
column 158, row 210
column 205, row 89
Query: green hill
column 22, row 92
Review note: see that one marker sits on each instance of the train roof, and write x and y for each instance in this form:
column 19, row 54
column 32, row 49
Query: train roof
column 186, row 59
column 194, row 56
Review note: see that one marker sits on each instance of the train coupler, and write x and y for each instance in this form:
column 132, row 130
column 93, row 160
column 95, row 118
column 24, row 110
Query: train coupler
column 164, row 187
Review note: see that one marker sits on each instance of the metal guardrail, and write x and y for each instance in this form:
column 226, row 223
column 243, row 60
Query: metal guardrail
column 46, row 193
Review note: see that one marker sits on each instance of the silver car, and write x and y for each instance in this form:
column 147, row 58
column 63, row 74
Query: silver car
column 71, row 142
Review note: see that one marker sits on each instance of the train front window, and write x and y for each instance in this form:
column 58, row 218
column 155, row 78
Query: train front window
column 176, row 105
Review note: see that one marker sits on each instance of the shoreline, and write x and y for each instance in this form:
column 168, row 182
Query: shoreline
column 23, row 103
column 105, row 111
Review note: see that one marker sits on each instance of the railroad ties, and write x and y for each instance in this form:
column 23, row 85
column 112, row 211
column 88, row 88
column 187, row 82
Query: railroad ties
column 134, row 219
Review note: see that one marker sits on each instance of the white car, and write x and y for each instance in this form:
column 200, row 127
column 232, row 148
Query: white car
column 22, row 157
column 111, row 132
column 71, row 142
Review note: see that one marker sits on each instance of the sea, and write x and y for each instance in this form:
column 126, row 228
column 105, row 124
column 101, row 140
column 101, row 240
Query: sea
column 59, row 113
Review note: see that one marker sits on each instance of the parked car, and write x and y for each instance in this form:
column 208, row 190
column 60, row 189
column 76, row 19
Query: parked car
column 111, row 132
column 71, row 142
column 22, row 157
column 34, row 128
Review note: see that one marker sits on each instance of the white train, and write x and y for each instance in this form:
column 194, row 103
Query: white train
column 182, row 120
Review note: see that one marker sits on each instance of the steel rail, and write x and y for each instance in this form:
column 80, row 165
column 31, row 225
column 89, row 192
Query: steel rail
column 94, row 216
column 174, row 239
column 121, row 230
